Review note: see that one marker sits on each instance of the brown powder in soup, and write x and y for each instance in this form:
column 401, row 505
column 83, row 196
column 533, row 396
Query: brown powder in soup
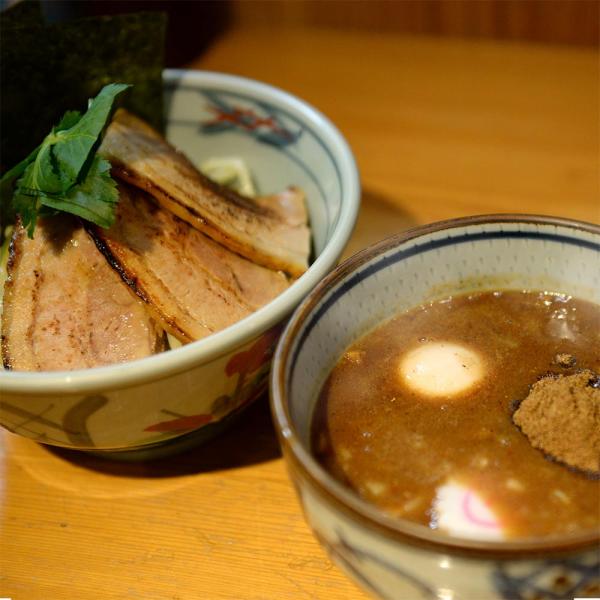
column 407, row 455
column 561, row 417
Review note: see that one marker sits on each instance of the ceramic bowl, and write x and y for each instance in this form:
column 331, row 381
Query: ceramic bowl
column 390, row 557
column 197, row 389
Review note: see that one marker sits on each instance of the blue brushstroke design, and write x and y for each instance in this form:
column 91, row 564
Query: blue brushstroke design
column 351, row 557
column 280, row 136
column 578, row 576
column 403, row 253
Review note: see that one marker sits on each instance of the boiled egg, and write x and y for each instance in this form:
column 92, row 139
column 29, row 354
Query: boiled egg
column 441, row 369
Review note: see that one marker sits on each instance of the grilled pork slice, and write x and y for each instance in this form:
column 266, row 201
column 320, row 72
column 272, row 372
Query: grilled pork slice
column 193, row 285
column 289, row 206
column 270, row 236
column 65, row 308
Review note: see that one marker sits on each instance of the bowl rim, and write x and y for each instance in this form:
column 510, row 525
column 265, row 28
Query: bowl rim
column 166, row 364
column 342, row 498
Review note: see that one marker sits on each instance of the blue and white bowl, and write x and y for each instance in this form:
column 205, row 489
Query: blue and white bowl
column 391, row 557
column 135, row 407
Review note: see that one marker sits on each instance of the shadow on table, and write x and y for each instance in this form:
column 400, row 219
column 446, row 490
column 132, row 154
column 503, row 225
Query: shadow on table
column 251, row 439
column 379, row 218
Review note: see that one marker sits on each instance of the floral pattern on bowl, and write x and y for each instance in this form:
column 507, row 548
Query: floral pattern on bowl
column 391, row 557
column 198, row 388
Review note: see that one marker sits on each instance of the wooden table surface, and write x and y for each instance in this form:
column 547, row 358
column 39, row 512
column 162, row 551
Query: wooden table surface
column 440, row 129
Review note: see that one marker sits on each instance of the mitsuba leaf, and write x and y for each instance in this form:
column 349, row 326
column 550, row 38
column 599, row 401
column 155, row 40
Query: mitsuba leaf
column 41, row 174
column 66, row 153
column 64, row 173
column 94, row 199
column 7, row 183
column 69, row 119
column 27, row 208
column 73, row 147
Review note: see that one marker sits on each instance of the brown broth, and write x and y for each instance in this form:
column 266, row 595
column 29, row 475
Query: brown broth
column 395, row 448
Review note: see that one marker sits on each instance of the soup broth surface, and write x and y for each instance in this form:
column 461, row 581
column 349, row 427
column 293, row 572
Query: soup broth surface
column 455, row 461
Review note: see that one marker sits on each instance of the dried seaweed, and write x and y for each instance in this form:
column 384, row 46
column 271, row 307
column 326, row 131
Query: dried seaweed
column 26, row 13
column 48, row 69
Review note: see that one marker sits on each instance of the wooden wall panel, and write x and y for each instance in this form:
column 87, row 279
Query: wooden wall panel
column 552, row 21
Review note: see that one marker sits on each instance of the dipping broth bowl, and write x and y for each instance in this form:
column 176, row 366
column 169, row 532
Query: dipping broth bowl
column 169, row 401
column 390, row 557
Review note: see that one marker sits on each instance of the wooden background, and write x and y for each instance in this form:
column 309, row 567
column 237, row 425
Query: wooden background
column 195, row 24
column 554, row 21
column 441, row 127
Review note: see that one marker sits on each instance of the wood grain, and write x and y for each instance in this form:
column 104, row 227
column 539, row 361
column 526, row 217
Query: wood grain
column 440, row 129
column 551, row 21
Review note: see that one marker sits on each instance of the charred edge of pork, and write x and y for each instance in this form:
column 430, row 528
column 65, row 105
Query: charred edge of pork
column 132, row 282
column 14, row 252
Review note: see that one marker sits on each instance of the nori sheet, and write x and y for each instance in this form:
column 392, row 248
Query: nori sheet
column 27, row 13
column 46, row 70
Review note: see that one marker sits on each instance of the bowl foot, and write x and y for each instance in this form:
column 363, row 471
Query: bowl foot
column 172, row 446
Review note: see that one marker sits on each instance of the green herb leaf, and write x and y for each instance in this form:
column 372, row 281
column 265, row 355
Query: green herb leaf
column 8, row 207
column 66, row 153
column 7, row 183
column 94, row 199
column 75, row 146
column 69, row 119
column 27, row 208
column 64, row 173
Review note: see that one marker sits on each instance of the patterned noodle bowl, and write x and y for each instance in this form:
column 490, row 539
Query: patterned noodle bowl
column 167, row 402
column 391, row 557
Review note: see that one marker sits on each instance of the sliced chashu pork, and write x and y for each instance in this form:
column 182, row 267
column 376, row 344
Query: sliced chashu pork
column 65, row 308
column 274, row 234
column 193, row 285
